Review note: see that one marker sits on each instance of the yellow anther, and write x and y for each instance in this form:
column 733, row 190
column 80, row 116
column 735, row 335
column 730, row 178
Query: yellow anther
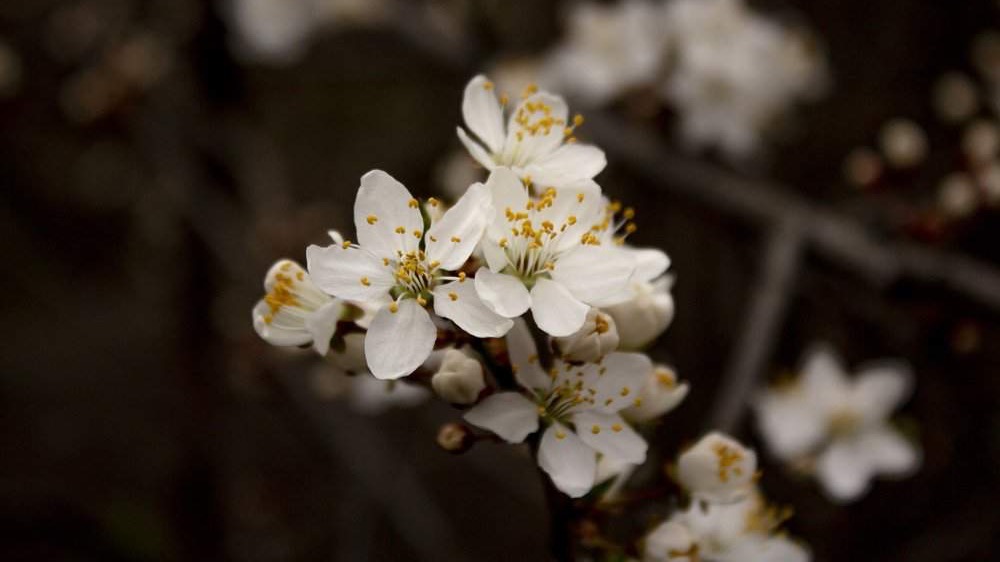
column 630, row 228
column 385, row 262
column 434, row 264
column 624, row 391
column 393, row 307
column 268, row 318
column 577, row 120
column 285, row 266
column 433, row 202
column 366, row 282
column 487, row 85
column 417, row 234
column 372, row 219
column 400, row 230
column 609, row 401
column 579, row 197
column 637, row 402
column 300, row 276
column 560, row 434
column 504, row 99
column 629, row 213
column 453, row 296
column 413, row 203
column 456, row 239
column 502, row 242
column 595, row 429
column 616, row 427
column 461, row 276
column 530, row 90
column 421, row 301
column 434, row 239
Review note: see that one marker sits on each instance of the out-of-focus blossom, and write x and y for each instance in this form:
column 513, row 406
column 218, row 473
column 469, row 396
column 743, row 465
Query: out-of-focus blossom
column 10, row 71
column 981, row 141
column 371, row 396
column 717, row 469
column 544, row 256
column 457, row 172
column 839, row 425
column 595, row 339
column 388, row 269
column 957, row 195
column 863, row 167
column 955, row 97
column 580, row 406
column 747, row 531
column 459, row 379
column 536, row 142
column 661, row 393
column 989, row 179
column 903, row 143
column 295, row 311
column 608, row 49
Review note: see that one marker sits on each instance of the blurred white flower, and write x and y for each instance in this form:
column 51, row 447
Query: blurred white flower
column 955, row 97
column 903, row 143
column 294, row 311
column 735, row 73
column 388, row 269
column 608, row 49
column 745, row 531
column 957, row 195
column 459, row 379
column 717, row 469
column 371, row 396
column 650, row 306
column 981, row 141
column 595, row 339
column 841, row 423
column 536, row 142
column 580, row 406
column 543, row 255
column 659, row 395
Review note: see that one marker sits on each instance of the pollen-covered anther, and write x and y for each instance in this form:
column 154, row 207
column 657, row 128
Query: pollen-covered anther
column 421, row 301
column 456, row 239
column 433, row 202
column 400, row 230
column 595, row 429
column 413, row 203
column 372, row 219
column 453, row 296
column 346, row 244
column 616, row 427
column 366, row 282
column 625, row 391
column 393, row 308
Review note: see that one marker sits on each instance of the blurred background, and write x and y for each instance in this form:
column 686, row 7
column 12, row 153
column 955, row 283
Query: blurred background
column 159, row 155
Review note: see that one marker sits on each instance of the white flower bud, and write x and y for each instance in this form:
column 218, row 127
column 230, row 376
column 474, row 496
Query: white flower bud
column 717, row 469
column 660, row 394
column 670, row 542
column 644, row 317
column 595, row 339
column 957, row 195
column 460, row 378
column 981, row 141
column 903, row 142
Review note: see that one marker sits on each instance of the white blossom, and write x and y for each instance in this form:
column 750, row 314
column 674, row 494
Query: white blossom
column 595, row 339
column 578, row 404
column 746, row 531
column 717, row 469
column 608, row 49
column 840, row 423
column 400, row 268
column 536, row 142
column 294, row 311
column 649, row 308
column 459, row 379
column 660, row 394
column 543, row 255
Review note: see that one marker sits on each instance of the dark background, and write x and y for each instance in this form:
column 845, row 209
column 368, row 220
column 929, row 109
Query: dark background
column 142, row 419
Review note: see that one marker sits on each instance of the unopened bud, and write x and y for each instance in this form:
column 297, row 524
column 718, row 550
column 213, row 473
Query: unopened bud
column 596, row 338
column 717, row 469
column 455, row 438
column 646, row 315
column 460, row 379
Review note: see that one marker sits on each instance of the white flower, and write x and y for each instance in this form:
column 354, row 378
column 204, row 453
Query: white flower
column 843, row 423
column 609, row 49
column 745, row 531
column 595, row 339
column 545, row 254
column 459, row 379
column 660, row 394
column 294, row 311
column 535, row 142
column 399, row 267
column 650, row 306
column 580, row 406
column 717, row 469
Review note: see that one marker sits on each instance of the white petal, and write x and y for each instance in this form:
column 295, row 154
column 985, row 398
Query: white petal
column 823, row 377
column 880, row 388
column 609, row 435
column 482, row 113
column 398, row 342
column 555, row 310
column 761, row 548
column 506, row 192
column 508, row 414
column 504, row 294
column 475, row 149
column 650, row 263
column 352, row 273
column 568, row 163
column 583, row 202
column 459, row 302
column 524, row 358
column 717, row 469
column 888, row 452
column 382, row 206
column 593, row 273
column 452, row 239
column 276, row 333
column 844, row 471
column 790, row 424
column 618, row 380
column 533, row 147
column 668, row 539
column 322, row 324
column 570, row 463
column 496, row 258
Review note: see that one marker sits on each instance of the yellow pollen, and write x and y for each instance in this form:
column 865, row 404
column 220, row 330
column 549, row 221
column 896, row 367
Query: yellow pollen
column 433, row 202
column 385, row 261
column 456, row 239
column 504, row 99
column 417, row 233
column 413, row 203
column 502, row 242
column 616, row 427
column 346, row 244
column 637, row 403
column 601, row 324
column 400, row 230
column 577, row 120
column 579, row 197
column 434, row 264
column 624, row 391
column 453, row 296
column 300, row 275
column 421, row 301
column 487, row 85
column 560, row 434
column 571, row 220
column 372, row 219
column 595, row 430
column 393, row 308
column 609, row 401
column 529, row 90
column 461, row 276
column 286, row 266
column 629, row 214
column 366, row 282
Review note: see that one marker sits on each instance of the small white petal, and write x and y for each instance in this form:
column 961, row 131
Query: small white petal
column 475, row 149
column 482, row 113
column 570, row 463
column 610, row 435
column 383, row 205
column 451, row 240
column 594, row 273
column 459, row 302
column 888, row 452
column 524, row 358
column 762, row 548
column 504, row 294
column 880, row 388
column 668, row 539
column 352, row 273
column 508, row 414
column 276, row 333
column 567, row 164
column 824, row 379
column 791, row 425
column 506, row 192
column 844, row 470
column 322, row 324
column 717, row 469
column 398, row 342
column 555, row 310
column 617, row 380
column 650, row 263
column 532, row 147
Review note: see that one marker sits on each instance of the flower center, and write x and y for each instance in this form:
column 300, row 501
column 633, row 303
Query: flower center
column 844, row 422
column 414, row 275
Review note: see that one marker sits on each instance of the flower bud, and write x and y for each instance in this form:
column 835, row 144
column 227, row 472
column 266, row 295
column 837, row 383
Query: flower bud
column 645, row 316
column 660, row 394
column 596, row 338
column 670, row 542
column 717, row 469
column 455, row 438
column 460, row 379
